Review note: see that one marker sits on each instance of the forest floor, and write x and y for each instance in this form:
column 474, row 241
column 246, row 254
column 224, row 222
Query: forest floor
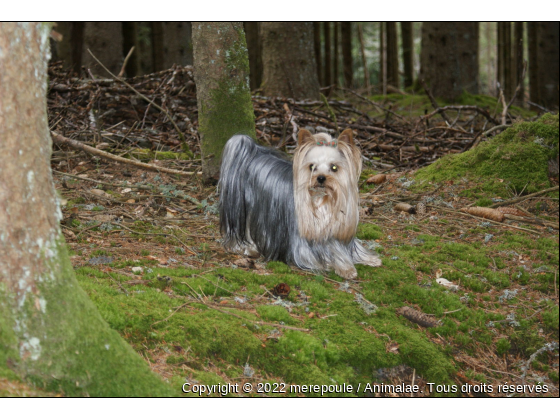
column 466, row 302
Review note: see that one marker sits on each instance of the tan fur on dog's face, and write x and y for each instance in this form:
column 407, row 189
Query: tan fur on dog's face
column 326, row 186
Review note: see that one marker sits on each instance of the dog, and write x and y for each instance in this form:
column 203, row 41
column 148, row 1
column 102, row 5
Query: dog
column 303, row 213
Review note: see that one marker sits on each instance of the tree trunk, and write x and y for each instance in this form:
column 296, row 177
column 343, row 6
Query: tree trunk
column 255, row 53
column 130, row 39
column 408, row 53
column 508, row 91
column 327, row 65
column 534, row 90
column 449, row 58
column 157, row 46
column 364, row 59
column 547, row 67
column 392, row 55
column 317, row 47
column 71, row 47
column 382, row 58
column 288, row 64
column 177, row 44
column 50, row 332
column 336, row 37
column 105, row 40
column 221, row 72
column 348, row 67
column 518, row 59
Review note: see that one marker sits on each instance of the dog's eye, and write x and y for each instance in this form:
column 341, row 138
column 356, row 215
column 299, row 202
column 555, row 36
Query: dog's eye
column 311, row 167
column 334, row 168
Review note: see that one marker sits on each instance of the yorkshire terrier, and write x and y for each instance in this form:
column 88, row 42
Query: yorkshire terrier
column 304, row 213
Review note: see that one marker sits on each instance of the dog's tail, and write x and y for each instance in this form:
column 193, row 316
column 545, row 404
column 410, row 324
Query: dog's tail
column 239, row 151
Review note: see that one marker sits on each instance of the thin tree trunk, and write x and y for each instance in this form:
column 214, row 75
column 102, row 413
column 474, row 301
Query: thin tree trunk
column 518, row 56
column 255, row 53
column 382, row 58
column 508, row 90
column 157, row 46
column 408, row 53
column 328, row 53
column 336, row 52
column 221, row 71
column 50, row 332
column 346, row 32
column 534, row 89
column 364, row 60
column 501, row 54
column 317, row 47
column 392, row 55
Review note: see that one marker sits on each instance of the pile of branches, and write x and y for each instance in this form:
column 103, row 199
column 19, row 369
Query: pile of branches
column 159, row 112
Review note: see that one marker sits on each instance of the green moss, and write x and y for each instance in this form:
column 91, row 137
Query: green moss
column 517, row 158
column 369, row 231
column 75, row 351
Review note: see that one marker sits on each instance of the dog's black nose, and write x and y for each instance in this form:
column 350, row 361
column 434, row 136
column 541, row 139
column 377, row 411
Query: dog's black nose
column 321, row 179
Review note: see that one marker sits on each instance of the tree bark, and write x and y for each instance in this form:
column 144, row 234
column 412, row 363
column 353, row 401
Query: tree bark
column 221, row 72
column 70, row 49
column 317, row 46
column 130, row 39
column 51, row 334
column 408, row 53
column 449, row 58
column 288, row 65
column 392, row 55
column 364, row 59
column 336, row 43
column 533, row 62
column 177, row 44
column 157, row 46
column 382, row 58
column 348, row 67
column 255, row 53
column 327, row 65
column 507, row 86
column 518, row 59
column 547, row 67
column 105, row 40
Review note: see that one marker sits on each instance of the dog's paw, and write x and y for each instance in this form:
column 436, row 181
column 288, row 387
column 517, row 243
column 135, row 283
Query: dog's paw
column 372, row 261
column 347, row 273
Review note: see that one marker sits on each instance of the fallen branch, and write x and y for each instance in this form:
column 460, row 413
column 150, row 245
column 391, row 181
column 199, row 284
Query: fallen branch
column 434, row 103
column 518, row 199
column 61, row 140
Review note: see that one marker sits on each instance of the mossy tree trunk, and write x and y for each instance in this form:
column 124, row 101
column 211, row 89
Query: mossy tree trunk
column 288, row 66
column 51, row 334
column 221, row 72
column 449, row 58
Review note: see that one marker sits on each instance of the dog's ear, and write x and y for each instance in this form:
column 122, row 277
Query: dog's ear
column 304, row 136
column 347, row 137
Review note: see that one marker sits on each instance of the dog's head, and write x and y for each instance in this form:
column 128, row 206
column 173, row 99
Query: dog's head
column 326, row 173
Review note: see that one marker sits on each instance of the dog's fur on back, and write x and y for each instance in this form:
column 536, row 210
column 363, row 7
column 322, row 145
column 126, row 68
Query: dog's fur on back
column 305, row 213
